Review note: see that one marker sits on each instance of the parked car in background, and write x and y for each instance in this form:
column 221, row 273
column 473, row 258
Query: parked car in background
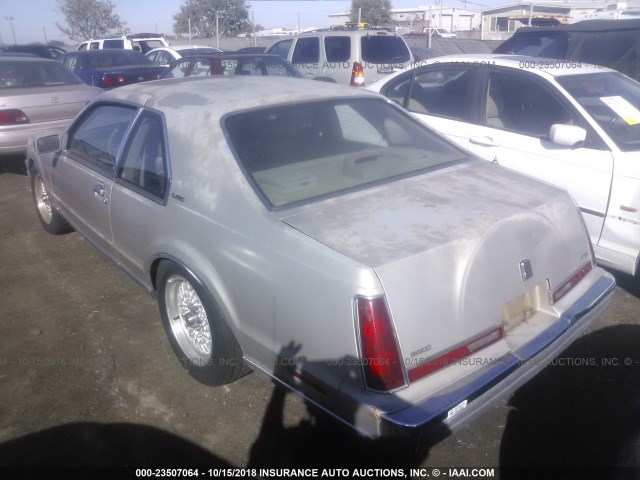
column 44, row 51
column 142, row 42
column 571, row 124
column 251, row 50
column 327, row 238
column 439, row 32
column 166, row 55
column 111, row 68
column 231, row 64
column 608, row 43
column 36, row 95
column 350, row 57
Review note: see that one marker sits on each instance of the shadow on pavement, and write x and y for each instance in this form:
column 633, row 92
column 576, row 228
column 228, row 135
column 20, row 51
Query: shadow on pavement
column 628, row 283
column 322, row 440
column 580, row 417
column 94, row 446
column 13, row 164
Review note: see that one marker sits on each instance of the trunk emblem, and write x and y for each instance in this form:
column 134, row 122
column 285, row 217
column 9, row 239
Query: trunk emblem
column 53, row 100
column 525, row 270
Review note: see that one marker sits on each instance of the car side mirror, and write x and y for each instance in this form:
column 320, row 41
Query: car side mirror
column 48, row 144
column 567, row 135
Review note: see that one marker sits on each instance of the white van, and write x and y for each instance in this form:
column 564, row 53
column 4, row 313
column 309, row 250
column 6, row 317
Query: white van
column 143, row 42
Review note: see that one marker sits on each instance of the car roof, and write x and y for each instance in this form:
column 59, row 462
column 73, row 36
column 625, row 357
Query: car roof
column 596, row 25
column 227, row 94
column 541, row 66
column 232, row 55
column 103, row 51
column 22, row 57
column 363, row 32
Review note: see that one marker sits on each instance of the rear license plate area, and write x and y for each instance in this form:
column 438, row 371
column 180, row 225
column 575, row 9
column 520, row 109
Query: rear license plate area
column 523, row 307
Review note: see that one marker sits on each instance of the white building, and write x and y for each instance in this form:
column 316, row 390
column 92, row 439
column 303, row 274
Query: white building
column 500, row 22
column 417, row 19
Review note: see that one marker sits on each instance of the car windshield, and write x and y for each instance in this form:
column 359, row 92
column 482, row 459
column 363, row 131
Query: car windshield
column 295, row 153
column 613, row 101
column 16, row 74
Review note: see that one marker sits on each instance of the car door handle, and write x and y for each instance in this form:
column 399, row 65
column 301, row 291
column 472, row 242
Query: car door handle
column 98, row 189
column 483, row 141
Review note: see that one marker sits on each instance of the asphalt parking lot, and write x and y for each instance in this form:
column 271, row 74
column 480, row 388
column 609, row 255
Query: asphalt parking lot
column 88, row 379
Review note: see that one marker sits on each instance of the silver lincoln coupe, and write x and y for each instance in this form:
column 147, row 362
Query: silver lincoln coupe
column 321, row 235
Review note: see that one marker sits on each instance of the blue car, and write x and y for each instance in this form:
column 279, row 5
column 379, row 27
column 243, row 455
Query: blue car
column 111, row 68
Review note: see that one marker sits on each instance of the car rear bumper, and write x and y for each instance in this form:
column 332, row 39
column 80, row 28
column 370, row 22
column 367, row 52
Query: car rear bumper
column 13, row 141
column 463, row 402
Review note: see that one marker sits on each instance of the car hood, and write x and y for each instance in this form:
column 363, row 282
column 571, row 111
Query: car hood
column 447, row 246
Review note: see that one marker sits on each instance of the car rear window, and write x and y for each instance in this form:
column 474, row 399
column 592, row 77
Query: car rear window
column 384, row 49
column 113, row 44
column 296, row 153
column 35, row 74
column 538, row 44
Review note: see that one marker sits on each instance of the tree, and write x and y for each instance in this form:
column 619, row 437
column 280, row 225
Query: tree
column 89, row 19
column 233, row 17
column 374, row 12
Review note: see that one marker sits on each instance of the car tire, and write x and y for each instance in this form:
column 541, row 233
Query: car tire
column 50, row 218
column 197, row 331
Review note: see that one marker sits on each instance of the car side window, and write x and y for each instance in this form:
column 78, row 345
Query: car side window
column 144, row 163
column 436, row 91
column 281, row 48
column 307, row 50
column 71, row 62
column 180, row 70
column 521, row 104
column 163, row 59
column 96, row 139
column 338, row 49
column 614, row 49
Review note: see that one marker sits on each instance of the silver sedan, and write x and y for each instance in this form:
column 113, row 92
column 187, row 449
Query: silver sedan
column 36, row 95
column 327, row 239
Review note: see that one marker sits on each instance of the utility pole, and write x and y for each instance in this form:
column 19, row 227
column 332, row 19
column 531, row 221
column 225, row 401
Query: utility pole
column 253, row 29
column 217, row 32
column 11, row 19
column 46, row 40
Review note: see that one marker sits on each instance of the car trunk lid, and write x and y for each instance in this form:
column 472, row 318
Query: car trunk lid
column 46, row 104
column 461, row 253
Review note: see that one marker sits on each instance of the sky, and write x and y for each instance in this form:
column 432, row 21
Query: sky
column 35, row 20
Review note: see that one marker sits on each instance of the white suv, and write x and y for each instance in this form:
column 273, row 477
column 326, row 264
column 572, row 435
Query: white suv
column 351, row 57
column 143, row 42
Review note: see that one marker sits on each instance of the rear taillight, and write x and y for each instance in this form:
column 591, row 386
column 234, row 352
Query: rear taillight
column 572, row 282
column 379, row 352
column 13, row 116
column 357, row 75
column 110, row 81
column 452, row 356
